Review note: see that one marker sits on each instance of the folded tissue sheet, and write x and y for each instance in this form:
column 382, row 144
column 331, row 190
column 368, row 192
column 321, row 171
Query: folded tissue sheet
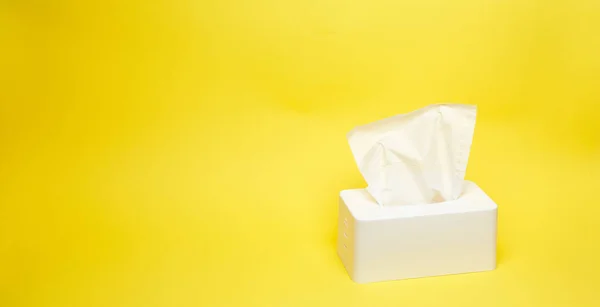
column 418, row 216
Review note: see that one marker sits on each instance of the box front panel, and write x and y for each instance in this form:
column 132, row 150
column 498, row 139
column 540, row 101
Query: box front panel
column 425, row 246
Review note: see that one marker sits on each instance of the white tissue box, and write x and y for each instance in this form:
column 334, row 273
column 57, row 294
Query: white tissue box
column 379, row 243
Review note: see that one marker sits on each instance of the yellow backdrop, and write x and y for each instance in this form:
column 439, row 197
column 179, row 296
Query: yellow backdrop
column 190, row 153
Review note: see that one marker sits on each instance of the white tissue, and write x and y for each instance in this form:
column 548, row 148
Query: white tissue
column 415, row 158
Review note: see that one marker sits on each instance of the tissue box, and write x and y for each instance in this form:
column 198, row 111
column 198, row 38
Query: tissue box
column 379, row 243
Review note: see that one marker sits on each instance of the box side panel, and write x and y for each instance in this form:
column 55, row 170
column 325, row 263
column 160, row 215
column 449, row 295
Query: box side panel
column 345, row 237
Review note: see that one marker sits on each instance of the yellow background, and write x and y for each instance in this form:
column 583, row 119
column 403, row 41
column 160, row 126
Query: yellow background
column 190, row 153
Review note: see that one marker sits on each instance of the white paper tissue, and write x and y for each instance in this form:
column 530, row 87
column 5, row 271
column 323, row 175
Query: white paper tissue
column 415, row 158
